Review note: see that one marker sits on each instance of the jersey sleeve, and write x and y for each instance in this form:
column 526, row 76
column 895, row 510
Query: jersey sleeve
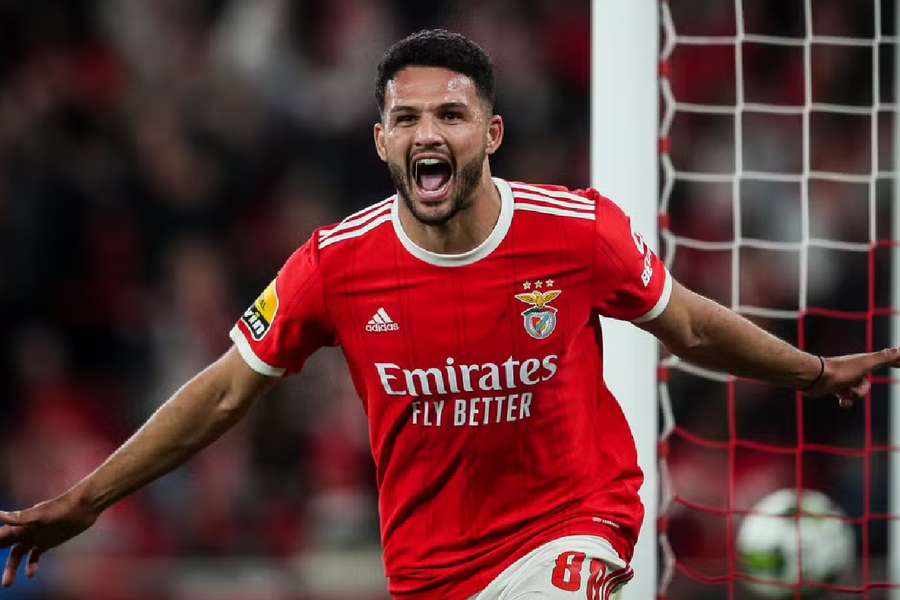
column 289, row 320
column 630, row 282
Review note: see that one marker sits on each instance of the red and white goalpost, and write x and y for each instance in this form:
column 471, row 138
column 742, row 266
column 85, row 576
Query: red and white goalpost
column 774, row 193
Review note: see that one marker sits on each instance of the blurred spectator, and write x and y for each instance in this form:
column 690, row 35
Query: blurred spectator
column 158, row 163
column 160, row 160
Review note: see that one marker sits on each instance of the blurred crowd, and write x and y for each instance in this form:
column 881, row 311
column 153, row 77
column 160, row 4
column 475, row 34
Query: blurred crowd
column 158, row 162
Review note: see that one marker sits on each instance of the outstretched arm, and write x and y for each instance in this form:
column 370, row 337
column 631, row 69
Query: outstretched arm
column 196, row 415
column 708, row 334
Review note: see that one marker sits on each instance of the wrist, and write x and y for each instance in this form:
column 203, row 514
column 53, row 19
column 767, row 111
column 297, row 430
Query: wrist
column 84, row 501
column 809, row 382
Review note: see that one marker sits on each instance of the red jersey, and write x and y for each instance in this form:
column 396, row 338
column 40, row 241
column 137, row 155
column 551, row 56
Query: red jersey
column 480, row 373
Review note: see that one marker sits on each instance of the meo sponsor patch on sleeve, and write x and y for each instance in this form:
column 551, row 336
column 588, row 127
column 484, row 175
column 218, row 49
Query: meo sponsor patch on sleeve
column 261, row 314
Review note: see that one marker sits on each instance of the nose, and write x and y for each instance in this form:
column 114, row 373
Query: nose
column 427, row 132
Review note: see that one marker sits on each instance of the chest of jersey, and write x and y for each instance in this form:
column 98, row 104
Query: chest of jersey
column 484, row 312
column 459, row 346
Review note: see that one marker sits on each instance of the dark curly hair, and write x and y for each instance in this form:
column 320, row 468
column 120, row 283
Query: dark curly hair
column 438, row 48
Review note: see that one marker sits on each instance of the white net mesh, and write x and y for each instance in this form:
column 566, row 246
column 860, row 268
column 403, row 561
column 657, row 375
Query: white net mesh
column 777, row 164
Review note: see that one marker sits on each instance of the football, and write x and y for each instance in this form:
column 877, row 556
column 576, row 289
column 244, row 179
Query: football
column 771, row 549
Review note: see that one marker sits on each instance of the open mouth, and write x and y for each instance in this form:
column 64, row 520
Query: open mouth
column 432, row 176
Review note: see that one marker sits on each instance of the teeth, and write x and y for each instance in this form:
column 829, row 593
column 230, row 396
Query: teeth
column 426, row 162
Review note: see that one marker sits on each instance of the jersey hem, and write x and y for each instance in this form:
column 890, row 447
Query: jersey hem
column 598, row 545
column 399, row 586
column 661, row 304
column 250, row 357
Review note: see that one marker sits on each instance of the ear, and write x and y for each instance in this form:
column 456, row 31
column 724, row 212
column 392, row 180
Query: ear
column 379, row 141
column 494, row 134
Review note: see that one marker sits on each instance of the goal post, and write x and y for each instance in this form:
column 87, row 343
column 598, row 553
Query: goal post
column 624, row 166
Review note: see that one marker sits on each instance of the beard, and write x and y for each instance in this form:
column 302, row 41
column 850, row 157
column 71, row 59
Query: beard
column 465, row 182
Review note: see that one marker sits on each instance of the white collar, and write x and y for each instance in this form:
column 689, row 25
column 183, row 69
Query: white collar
column 480, row 251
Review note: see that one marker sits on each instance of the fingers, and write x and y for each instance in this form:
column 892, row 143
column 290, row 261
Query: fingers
column 32, row 566
column 848, row 395
column 16, row 554
column 888, row 357
column 15, row 528
column 11, row 518
column 10, row 535
column 862, row 390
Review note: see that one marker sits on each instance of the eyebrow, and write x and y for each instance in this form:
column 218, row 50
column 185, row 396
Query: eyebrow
column 443, row 106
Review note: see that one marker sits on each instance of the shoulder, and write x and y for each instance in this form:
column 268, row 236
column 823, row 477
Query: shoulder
column 328, row 243
column 355, row 228
column 559, row 201
column 555, row 201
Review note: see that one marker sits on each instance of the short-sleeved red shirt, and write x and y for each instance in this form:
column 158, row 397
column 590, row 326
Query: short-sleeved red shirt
column 491, row 427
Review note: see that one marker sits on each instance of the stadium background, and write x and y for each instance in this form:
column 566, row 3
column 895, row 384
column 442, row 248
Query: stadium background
column 158, row 162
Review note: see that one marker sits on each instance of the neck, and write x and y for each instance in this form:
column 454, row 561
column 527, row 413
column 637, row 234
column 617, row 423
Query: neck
column 465, row 231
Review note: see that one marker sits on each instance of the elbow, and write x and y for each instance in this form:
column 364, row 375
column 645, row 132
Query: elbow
column 693, row 340
column 234, row 386
column 230, row 406
column 687, row 342
column 683, row 326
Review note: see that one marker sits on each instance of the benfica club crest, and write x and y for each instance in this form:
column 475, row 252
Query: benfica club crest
column 540, row 319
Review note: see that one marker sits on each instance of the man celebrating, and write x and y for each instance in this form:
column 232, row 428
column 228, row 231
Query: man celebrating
column 467, row 308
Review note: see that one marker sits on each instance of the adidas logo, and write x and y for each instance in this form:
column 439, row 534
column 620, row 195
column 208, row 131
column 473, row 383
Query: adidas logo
column 380, row 322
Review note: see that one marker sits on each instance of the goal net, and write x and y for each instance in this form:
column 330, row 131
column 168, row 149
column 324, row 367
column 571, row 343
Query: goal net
column 777, row 173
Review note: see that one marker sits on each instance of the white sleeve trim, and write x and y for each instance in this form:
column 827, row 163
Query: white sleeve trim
column 661, row 304
column 250, row 357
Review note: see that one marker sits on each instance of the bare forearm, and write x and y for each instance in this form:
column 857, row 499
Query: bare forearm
column 712, row 336
column 196, row 415
column 729, row 342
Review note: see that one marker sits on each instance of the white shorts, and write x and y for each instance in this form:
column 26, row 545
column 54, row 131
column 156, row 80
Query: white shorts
column 576, row 566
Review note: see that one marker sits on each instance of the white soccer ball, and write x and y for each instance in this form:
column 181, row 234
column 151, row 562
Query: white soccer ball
column 767, row 543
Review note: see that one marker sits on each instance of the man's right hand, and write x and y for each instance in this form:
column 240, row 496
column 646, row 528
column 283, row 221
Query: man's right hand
column 198, row 413
column 33, row 531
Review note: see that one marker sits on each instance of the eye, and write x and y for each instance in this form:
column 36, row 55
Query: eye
column 452, row 115
column 404, row 119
